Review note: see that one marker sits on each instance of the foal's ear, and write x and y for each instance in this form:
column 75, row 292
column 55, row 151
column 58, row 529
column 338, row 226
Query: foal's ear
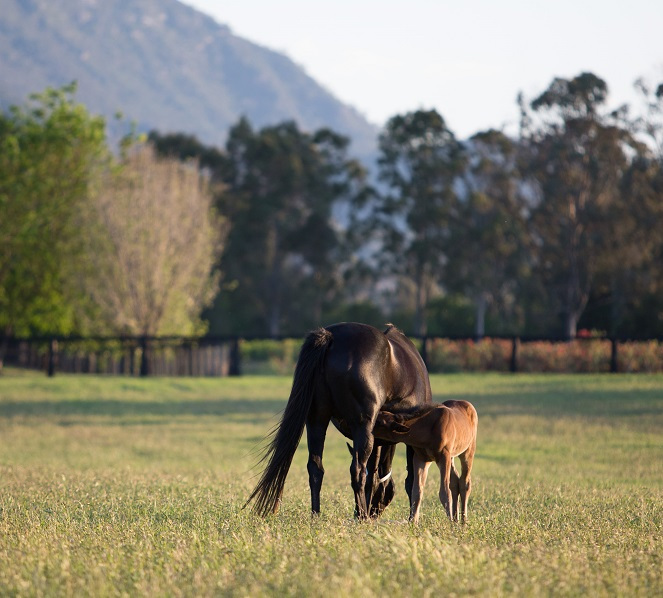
column 399, row 428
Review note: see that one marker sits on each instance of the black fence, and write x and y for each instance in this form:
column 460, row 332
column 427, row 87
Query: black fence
column 129, row 356
column 232, row 356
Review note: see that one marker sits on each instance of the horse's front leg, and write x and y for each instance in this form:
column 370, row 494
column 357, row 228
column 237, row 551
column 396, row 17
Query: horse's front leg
column 409, row 480
column 420, row 473
column 363, row 446
column 444, row 463
column 379, row 485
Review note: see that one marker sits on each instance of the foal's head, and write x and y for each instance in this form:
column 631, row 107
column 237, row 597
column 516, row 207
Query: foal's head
column 391, row 422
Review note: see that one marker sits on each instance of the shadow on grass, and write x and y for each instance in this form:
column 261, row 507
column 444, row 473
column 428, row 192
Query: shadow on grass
column 542, row 400
column 551, row 403
column 127, row 409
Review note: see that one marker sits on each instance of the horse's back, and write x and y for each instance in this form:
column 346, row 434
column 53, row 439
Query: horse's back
column 374, row 369
column 353, row 367
column 354, row 349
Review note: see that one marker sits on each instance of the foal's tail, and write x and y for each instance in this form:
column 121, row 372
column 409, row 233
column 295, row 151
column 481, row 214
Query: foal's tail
column 286, row 437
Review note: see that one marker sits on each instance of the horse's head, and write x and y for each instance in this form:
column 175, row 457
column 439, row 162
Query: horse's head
column 391, row 422
column 383, row 495
column 380, row 490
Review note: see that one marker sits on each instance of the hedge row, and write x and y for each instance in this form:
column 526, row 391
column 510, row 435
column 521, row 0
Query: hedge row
column 445, row 356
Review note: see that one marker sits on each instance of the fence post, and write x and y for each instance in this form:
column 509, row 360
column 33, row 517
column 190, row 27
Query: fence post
column 424, row 349
column 513, row 366
column 235, row 365
column 144, row 364
column 614, row 361
column 52, row 356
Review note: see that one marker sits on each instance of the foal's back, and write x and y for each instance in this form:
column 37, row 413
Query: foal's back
column 451, row 425
column 461, row 427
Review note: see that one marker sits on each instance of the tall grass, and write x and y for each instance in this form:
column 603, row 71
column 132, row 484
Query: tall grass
column 116, row 486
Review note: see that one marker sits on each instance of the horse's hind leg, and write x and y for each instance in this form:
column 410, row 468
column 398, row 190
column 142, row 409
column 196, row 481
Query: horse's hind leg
column 465, row 481
column 316, row 430
column 444, row 463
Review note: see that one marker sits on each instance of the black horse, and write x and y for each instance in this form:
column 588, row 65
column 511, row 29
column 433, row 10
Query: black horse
column 346, row 373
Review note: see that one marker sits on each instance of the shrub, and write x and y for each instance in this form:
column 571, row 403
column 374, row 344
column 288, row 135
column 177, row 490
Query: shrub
column 270, row 356
column 445, row 355
column 583, row 355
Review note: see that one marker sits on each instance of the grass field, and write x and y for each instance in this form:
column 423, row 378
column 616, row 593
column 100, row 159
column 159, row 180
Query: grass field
column 121, row 486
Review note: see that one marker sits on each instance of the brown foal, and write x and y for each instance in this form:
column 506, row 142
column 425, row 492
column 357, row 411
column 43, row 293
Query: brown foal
column 437, row 433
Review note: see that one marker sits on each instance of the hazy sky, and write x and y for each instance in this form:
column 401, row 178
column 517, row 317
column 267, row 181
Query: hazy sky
column 468, row 59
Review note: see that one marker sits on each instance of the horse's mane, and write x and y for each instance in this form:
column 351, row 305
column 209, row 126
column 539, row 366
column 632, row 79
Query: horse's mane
column 391, row 328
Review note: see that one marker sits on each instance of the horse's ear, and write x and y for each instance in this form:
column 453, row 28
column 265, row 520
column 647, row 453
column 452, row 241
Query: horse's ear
column 399, row 428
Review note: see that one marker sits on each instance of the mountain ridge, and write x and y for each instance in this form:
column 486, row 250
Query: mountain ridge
column 164, row 65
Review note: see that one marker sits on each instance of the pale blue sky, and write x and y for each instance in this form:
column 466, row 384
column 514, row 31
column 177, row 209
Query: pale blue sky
column 468, row 59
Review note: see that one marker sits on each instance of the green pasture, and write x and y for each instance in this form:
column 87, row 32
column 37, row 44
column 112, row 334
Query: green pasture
column 124, row 486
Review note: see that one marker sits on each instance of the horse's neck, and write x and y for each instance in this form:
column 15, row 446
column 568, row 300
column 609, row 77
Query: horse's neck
column 411, row 383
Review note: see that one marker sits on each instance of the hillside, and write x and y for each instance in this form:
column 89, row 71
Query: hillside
column 163, row 65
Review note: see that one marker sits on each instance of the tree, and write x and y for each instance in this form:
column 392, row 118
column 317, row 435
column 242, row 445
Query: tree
column 629, row 299
column 51, row 150
column 420, row 162
column 187, row 147
column 153, row 239
column 575, row 159
column 284, row 254
column 486, row 246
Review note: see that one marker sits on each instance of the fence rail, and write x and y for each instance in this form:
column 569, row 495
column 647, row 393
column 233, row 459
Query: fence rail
column 230, row 356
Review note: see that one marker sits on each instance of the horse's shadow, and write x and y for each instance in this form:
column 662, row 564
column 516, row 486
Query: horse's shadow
column 133, row 412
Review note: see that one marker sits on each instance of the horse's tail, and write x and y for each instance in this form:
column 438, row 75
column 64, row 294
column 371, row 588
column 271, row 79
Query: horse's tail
column 286, row 436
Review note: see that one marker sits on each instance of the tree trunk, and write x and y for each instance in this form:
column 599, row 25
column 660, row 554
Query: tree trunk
column 480, row 324
column 274, row 320
column 3, row 347
column 420, row 305
column 569, row 325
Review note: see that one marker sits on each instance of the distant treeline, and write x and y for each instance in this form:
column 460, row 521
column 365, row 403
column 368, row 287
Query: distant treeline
column 557, row 230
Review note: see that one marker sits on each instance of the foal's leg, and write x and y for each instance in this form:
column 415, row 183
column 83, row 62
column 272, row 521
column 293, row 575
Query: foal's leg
column 316, row 430
column 420, row 472
column 465, row 482
column 454, row 486
column 444, row 464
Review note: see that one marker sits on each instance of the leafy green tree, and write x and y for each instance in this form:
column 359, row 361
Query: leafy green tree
column 629, row 299
column 575, row 159
column 283, row 261
column 486, row 247
column 187, row 147
column 51, row 150
column 420, row 162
